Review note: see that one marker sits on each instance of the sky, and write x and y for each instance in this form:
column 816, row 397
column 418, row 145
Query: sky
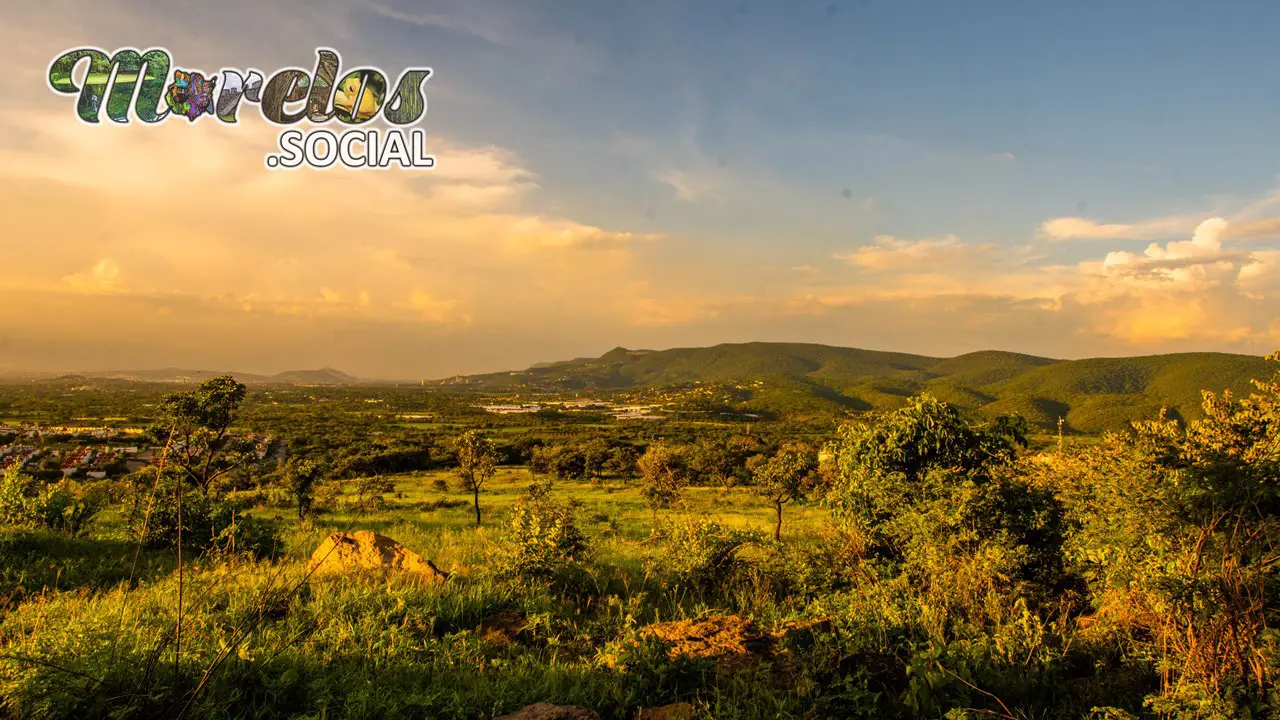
column 1066, row 179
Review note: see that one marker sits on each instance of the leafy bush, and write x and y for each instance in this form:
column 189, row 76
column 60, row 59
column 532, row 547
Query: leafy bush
column 369, row 494
column 924, row 494
column 207, row 523
column 701, row 553
column 542, row 538
column 1178, row 530
column 64, row 506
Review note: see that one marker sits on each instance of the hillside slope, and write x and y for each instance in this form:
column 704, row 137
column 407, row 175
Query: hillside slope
column 788, row 378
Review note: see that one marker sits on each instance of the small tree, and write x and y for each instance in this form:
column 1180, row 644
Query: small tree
column 663, row 474
column 784, row 478
column 477, row 462
column 196, row 426
column 302, row 476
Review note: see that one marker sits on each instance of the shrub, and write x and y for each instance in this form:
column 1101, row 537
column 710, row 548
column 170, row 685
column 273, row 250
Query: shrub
column 542, row 538
column 664, row 474
column 1177, row 536
column 369, row 494
column 208, row 523
column 703, row 554
column 923, row 494
column 64, row 506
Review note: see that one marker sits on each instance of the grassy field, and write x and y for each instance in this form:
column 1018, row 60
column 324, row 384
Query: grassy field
column 99, row 611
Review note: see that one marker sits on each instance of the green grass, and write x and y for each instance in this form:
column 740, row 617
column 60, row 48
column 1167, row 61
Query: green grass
column 366, row 647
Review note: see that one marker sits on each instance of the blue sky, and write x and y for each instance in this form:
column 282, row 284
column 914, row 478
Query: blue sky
column 1131, row 108
column 934, row 177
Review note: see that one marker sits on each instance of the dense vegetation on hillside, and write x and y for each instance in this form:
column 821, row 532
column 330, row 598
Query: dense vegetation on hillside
column 800, row 379
column 917, row 562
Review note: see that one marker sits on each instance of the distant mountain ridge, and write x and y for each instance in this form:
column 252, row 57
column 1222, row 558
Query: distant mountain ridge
column 323, row 376
column 1090, row 395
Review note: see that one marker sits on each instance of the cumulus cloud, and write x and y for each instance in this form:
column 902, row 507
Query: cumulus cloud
column 449, row 248
column 1185, row 293
column 102, row 277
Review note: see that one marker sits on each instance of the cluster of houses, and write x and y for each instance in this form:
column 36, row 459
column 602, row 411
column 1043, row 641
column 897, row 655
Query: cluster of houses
column 619, row 412
column 115, row 451
column 92, row 462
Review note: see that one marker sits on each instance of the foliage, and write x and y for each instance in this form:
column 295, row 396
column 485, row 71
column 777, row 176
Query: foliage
column 196, row 429
column 702, row 553
column 560, row 461
column 64, row 506
column 1178, row 530
column 370, row 492
column 924, row 494
column 542, row 538
column 301, row 477
column 785, row 477
column 663, row 475
column 208, row 524
column 477, row 462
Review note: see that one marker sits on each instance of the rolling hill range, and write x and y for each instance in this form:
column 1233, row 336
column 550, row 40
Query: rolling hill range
column 323, row 376
column 794, row 379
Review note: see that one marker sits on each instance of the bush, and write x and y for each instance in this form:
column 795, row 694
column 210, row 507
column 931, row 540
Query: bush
column 1177, row 534
column 369, row 494
column 704, row 554
column 64, row 506
column 542, row 538
column 208, row 524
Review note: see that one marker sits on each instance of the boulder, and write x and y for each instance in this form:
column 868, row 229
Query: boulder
column 345, row 553
column 546, row 711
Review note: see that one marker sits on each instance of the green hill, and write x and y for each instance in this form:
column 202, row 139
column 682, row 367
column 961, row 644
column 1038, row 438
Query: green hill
column 795, row 379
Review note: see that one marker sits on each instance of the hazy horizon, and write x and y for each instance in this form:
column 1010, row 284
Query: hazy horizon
column 13, row 371
column 1064, row 181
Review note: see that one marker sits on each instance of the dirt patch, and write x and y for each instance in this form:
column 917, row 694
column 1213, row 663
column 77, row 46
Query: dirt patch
column 732, row 641
column 678, row 711
column 546, row 711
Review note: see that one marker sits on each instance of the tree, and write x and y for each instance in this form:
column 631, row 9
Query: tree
column 302, row 476
column 784, row 478
column 712, row 462
column 196, row 426
column 943, row 505
column 477, row 462
column 1177, row 534
column 664, row 474
column 622, row 461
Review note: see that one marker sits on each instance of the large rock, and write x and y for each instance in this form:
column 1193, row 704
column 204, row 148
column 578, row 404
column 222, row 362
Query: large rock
column 345, row 553
column 546, row 711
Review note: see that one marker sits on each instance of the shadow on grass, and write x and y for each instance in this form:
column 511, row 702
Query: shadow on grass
column 35, row 561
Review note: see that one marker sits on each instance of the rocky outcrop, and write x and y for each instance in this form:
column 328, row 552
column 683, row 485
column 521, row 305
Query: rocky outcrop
column 364, row 551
